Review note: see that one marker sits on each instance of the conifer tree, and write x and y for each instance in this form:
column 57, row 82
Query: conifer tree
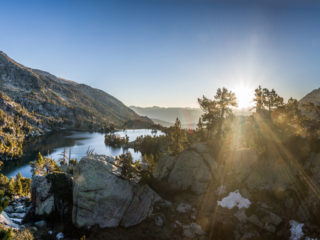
column 217, row 110
column 271, row 99
column 11, row 187
column 177, row 138
column 259, row 99
column 18, row 185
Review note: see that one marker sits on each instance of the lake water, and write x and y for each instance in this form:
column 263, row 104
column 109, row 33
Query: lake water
column 54, row 144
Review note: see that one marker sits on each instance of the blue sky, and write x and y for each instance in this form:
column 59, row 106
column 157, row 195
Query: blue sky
column 168, row 52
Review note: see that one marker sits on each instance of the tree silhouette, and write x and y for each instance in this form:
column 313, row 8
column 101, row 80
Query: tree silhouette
column 259, row 98
column 271, row 99
column 215, row 111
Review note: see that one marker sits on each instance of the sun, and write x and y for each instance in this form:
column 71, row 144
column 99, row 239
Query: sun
column 245, row 95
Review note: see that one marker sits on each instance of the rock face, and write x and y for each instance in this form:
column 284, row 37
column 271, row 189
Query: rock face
column 313, row 97
column 189, row 171
column 42, row 197
column 101, row 196
column 50, row 96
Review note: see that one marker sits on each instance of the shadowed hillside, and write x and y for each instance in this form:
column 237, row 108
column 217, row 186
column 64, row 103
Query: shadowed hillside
column 59, row 100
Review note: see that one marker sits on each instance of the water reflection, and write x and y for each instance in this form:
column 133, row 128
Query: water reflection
column 78, row 142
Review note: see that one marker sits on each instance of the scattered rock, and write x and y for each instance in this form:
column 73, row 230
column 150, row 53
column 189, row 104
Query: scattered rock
column 59, row 236
column 192, row 230
column 159, row 221
column 183, row 208
column 40, row 224
column 5, row 220
column 9, row 209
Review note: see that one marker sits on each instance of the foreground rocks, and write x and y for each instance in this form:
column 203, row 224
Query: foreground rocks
column 14, row 214
column 102, row 197
column 42, row 197
column 189, row 171
column 241, row 195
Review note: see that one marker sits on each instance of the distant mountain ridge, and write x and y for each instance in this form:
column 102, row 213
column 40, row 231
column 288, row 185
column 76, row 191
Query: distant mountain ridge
column 313, row 97
column 56, row 99
column 189, row 117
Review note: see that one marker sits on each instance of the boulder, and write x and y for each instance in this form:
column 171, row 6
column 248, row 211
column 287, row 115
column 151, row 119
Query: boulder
column 183, row 208
column 101, row 196
column 42, row 198
column 6, row 221
column 188, row 171
column 40, row 224
column 141, row 206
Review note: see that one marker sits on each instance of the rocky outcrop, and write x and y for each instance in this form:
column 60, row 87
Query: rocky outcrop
column 189, row 171
column 52, row 194
column 14, row 214
column 102, row 197
column 42, row 197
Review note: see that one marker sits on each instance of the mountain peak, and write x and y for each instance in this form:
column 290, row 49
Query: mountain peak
column 313, row 96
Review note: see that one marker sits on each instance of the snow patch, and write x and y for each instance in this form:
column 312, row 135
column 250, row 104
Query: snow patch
column 60, row 236
column 234, row 199
column 296, row 230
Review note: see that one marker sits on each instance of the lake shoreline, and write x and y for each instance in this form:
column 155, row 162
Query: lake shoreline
column 52, row 145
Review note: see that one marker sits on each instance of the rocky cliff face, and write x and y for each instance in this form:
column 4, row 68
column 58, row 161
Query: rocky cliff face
column 55, row 99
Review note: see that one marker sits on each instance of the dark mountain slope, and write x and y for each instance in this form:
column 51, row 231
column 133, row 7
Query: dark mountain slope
column 56, row 99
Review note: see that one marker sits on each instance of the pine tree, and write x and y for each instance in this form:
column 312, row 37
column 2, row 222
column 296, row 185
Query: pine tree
column 271, row 99
column 259, row 99
column 38, row 165
column 217, row 110
column 200, row 129
column 18, row 185
column 210, row 117
column 126, row 162
column 6, row 234
column 11, row 187
column 225, row 100
column 177, row 138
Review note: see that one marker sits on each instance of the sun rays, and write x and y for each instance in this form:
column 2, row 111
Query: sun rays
column 278, row 167
column 244, row 94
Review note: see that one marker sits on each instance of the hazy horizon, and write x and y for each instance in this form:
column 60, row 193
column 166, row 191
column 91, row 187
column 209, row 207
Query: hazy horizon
column 168, row 53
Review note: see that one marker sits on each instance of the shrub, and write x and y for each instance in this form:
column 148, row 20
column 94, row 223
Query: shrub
column 5, row 234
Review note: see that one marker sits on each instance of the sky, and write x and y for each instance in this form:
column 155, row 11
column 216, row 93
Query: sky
column 168, row 52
